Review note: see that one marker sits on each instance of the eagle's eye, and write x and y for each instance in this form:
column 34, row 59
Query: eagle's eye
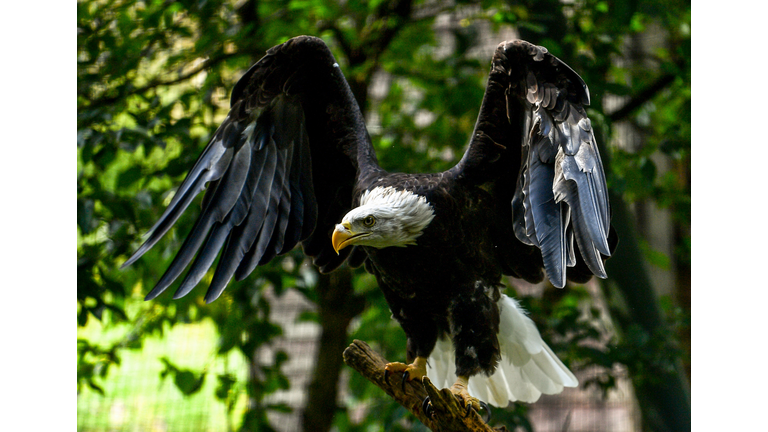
column 369, row 221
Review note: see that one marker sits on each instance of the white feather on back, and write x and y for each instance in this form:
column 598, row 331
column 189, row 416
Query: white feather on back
column 528, row 367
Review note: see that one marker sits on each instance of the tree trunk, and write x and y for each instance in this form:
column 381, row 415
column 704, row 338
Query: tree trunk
column 338, row 305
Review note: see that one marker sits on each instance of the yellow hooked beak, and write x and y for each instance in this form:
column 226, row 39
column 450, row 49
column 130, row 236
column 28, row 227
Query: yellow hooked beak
column 343, row 236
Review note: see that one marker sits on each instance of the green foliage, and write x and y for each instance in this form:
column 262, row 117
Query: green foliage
column 135, row 397
column 93, row 362
column 154, row 78
column 187, row 381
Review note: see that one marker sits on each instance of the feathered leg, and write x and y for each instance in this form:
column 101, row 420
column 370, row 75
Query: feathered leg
column 475, row 342
column 421, row 331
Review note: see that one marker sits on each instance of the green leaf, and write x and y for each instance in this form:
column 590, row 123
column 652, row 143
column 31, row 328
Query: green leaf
column 187, row 381
column 85, row 215
column 226, row 383
column 129, row 177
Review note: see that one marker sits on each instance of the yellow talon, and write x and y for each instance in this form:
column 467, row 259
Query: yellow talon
column 415, row 370
column 459, row 389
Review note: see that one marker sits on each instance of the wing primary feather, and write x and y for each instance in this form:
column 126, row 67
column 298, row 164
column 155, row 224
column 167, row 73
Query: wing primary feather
column 284, row 208
column 209, row 167
column 259, row 211
column 213, row 163
column 204, row 260
column 259, row 247
column 296, row 213
column 530, row 226
column 221, row 231
column 310, row 205
column 566, row 211
column 266, row 245
column 301, row 197
column 585, row 199
column 184, row 255
column 242, row 235
column 279, row 124
column 171, row 214
column 581, row 233
column 238, row 243
column 228, row 263
column 286, row 117
column 210, row 192
column 245, row 231
column 546, row 218
column 221, row 203
column 283, row 219
column 519, row 204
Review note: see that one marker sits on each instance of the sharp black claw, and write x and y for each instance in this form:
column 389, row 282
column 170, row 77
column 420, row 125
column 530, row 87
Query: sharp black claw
column 426, row 407
column 405, row 378
column 386, row 376
column 486, row 416
column 486, row 410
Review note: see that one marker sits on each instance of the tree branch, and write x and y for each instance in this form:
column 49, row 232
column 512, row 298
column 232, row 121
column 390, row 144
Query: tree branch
column 448, row 415
column 644, row 96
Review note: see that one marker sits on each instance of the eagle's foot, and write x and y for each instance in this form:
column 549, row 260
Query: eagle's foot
column 416, row 370
column 467, row 401
column 485, row 414
column 459, row 390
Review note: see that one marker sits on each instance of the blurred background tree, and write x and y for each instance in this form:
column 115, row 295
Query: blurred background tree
column 154, row 79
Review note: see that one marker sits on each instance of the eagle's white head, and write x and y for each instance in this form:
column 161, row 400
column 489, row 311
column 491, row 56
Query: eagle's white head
column 386, row 217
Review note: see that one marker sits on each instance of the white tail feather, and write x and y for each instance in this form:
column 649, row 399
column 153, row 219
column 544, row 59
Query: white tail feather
column 527, row 369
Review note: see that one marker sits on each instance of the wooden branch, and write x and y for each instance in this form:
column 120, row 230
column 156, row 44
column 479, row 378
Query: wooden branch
column 642, row 97
column 448, row 414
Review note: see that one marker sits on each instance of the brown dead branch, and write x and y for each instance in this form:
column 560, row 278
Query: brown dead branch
column 448, row 414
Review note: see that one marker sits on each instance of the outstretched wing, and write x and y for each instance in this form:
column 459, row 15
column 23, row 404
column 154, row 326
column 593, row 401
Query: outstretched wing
column 281, row 169
column 533, row 132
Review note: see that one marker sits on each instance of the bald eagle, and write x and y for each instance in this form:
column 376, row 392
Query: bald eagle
column 293, row 163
